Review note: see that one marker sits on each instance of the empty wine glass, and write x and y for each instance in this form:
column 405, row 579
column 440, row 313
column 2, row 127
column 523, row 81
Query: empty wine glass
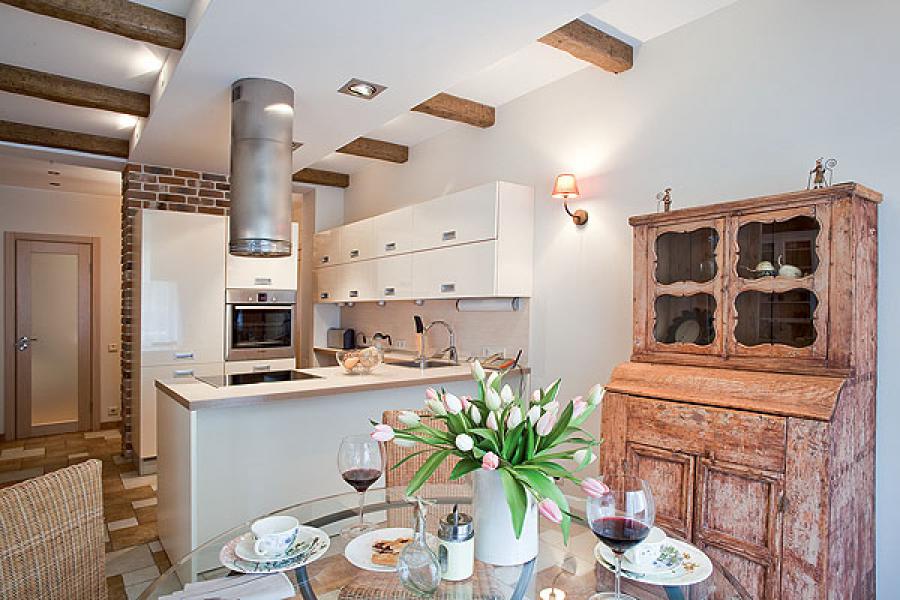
column 621, row 519
column 360, row 463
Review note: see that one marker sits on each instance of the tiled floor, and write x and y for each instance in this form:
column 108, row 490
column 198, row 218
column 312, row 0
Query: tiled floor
column 134, row 556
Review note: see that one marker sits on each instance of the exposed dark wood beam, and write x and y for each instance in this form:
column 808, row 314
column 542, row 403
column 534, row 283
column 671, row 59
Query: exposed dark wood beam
column 586, row 42
column 19, row 80
column 33, row 135
column 120, row 17
column 377, row 149
column 320, row 177
column 459, row 109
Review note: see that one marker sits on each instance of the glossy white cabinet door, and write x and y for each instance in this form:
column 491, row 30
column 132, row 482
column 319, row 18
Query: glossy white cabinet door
column 394, row 232
column 327, row 279
column 273, row 273
column 393, row 277
column 146, row 433
column 327, row 247
column 182, row 283
column 358, row 241
column 457, row 272
column 356, row 282
column 458, row 218
column 259, row 366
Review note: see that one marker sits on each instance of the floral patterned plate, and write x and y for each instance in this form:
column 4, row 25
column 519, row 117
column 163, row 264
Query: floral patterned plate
column 310, row 548
column 693, row 567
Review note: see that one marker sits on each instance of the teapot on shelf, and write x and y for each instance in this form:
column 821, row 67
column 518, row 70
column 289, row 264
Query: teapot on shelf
column 763, row 269
column 788, row 271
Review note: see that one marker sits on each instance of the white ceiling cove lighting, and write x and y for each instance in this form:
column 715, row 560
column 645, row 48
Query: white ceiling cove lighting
column 361, row 89
column 126, row 121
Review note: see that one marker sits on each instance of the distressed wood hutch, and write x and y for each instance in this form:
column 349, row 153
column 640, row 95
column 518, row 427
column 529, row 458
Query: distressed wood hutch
column 749, row 400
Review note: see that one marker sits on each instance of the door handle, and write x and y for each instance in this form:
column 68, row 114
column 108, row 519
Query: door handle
column 24, row 343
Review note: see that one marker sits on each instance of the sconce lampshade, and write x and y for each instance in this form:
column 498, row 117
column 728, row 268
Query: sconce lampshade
column 566, row 187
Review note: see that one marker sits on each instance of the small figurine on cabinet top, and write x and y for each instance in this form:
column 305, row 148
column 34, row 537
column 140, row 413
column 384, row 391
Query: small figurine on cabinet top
column 820, row 175
column 665, row 198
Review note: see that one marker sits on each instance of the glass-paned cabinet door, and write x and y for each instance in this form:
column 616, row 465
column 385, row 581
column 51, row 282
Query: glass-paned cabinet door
column 778, row 248
column 684, row 322
column 785, row 318
column 686, row 255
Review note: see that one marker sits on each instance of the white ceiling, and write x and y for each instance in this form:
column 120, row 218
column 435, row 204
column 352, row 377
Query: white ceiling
column 19, row 170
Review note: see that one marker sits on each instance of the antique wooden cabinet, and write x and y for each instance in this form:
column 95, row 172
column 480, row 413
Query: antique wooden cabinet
column 749, row 400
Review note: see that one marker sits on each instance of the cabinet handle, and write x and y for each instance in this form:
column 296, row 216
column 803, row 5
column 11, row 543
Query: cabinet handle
column 354, row 254
column 183, row 373
column 183, row 355
column 324, row 259
column 448, row 235
column 390, row 246
column 354, row 293
column 262, row 367
column 323, row 296
column 447, row 288
column 262, row 281
column 389, row 291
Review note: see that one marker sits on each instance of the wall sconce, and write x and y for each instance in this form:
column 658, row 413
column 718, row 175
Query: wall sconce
column 566, row 187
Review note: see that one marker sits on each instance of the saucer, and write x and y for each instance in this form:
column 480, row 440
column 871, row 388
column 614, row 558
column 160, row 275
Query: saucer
column 693, row 567
column 314, row 543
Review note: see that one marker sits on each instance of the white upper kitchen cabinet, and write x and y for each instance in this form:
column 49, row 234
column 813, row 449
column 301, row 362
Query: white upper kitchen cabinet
column 356, row 283
column 180, row 270
column 327, row 279
column 459, row 272
column 394, row 232
column 327, row 247
column 393, row 277
column 357, row 241
column 267, row 273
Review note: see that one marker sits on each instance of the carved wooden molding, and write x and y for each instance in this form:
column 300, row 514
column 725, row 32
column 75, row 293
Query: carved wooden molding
column 33, row 135
column 458, row 109
column 586, row 42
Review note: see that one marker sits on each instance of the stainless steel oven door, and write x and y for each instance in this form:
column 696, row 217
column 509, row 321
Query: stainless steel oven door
column 259, row 331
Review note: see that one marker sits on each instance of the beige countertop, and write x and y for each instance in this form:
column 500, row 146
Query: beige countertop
column 196, row 395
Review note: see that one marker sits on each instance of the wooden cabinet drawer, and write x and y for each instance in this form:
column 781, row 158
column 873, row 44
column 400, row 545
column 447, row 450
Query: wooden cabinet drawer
column 743, row 438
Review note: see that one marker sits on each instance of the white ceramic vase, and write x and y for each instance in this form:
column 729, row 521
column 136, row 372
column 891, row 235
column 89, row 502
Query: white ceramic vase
column 495, row 539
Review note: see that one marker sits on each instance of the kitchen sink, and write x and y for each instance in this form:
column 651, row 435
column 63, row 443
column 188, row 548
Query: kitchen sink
column 415, row 364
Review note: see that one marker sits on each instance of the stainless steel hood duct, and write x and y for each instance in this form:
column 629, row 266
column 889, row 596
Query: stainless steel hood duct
column 262, row 123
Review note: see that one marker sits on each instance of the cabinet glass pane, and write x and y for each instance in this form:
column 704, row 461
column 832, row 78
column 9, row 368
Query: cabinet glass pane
column 770, row 318
column 689, row 256
column 782, row 249
column 685, row 319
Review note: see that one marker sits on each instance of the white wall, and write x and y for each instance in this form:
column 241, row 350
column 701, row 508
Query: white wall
column 43, row 211
column 737, row 104
column 329, row 213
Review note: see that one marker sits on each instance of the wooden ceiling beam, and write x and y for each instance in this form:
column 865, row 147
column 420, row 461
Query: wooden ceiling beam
column 56, row 88
column 32, row 135
column 377, row 149
column 586, row 42
column 458, row 109
column 320, row 177
column 120, row 17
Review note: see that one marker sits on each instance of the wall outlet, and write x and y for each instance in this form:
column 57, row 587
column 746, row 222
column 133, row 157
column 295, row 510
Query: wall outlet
column 112, row 347
column 112, row 411
column 400, row 344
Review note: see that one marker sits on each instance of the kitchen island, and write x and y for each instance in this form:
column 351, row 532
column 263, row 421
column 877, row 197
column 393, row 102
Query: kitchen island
column 227, row 454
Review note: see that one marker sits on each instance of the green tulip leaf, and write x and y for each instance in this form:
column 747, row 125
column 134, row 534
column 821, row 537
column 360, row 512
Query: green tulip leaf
column 426, row 471
column 463, row 468
column 516, row 498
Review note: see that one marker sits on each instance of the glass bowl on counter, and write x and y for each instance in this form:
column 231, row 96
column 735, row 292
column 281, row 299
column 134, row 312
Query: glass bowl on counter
column 361, row 361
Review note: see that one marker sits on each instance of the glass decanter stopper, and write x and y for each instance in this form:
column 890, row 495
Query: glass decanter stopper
column 418, row 566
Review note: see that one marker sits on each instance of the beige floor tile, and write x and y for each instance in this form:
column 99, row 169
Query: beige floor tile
column 121, row 524
column 141, row 575
column 129, row 559
column 144, row 503
column 133, row 592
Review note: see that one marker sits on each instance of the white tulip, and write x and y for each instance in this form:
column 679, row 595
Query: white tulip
column 534, row 413
column 475, row 414
column 595, row 395
column 454, row 404
column 404, row 443
column 492, row 399
column 536, row 397
column 492, row 421
column 552, row 407
column 409, row 418
column 514, row 418
column 464, row 442
column 580, row 454
column 477, row 370
column 491, row 379
column 436, row 407
column 506, row 394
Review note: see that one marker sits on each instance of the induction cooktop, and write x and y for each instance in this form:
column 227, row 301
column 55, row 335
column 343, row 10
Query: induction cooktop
column 256, row 377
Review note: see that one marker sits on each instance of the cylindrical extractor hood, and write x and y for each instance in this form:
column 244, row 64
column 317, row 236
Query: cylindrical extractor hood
column 262, row 123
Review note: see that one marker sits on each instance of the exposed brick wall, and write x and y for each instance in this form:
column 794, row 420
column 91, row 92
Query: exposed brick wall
column 157, row 188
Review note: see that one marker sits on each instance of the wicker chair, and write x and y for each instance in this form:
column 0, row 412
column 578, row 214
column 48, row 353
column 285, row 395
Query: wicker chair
column 51, row 536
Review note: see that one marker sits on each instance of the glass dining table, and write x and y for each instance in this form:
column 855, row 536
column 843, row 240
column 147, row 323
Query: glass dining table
column 560, row 571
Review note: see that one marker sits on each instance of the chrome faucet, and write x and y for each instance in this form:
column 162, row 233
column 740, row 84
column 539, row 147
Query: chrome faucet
column 449, row 350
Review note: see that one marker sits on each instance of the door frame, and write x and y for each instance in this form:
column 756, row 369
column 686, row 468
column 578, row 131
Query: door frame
column 9, row 357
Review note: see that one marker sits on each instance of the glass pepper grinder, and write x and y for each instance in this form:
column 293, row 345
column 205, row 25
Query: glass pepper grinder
column 456, row 552
column 418, row 566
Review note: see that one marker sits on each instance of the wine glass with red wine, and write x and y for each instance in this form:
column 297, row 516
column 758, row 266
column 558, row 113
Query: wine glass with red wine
column 621, row 519
column 360, row 464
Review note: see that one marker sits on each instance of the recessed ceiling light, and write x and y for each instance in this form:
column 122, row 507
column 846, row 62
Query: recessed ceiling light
column 361, row 89
column 126, row 121
column 52, row 172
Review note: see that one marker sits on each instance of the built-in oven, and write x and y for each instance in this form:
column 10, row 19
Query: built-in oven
column 259, row 324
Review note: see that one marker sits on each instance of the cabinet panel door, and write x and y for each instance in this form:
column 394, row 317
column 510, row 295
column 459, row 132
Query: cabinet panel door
column 393, row 277
column 459, row 218
column 358, row 241
column 394, row 232
column 272, row 273
column 738, row 520
column 326, row 284
column 671, row 478
column 461, row 272
column 327, row 247
column 356, row 282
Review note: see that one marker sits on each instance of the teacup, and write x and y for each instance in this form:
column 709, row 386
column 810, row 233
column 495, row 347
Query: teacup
column 274, row 535
column 647, row 551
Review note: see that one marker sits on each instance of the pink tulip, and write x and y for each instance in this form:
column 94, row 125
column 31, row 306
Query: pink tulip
column 492, row 421
column 550, row 511
column 545, row 424
column 594, row 488
column 490, row 461
column 578, row 407
column 454, row 405
column 383, row 433
column 466, row 401
column 431, row 394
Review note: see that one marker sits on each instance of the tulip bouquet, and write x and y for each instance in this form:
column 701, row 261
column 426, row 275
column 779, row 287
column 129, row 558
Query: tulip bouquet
column 529, row 442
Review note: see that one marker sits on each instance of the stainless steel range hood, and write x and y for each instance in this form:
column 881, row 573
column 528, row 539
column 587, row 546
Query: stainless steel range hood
column 262, row 123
